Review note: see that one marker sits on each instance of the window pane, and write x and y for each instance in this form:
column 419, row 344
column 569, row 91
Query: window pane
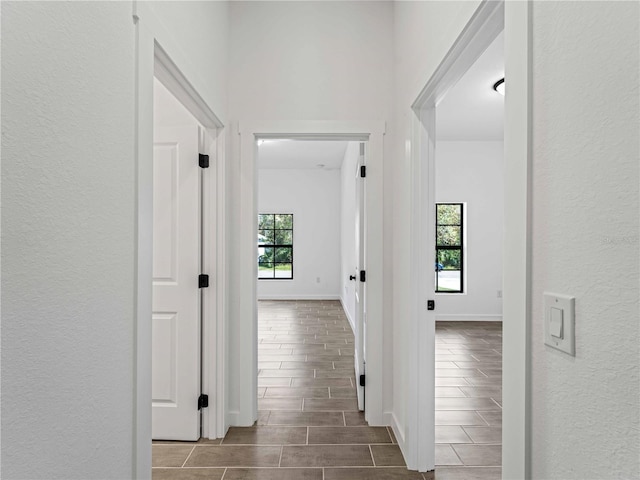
column 265, row 270
column 449, row 281
column 283, row 254
column 265, row 221
column 265, row 237
column 448, row 236
column 284, row 221
column 284, row 237
column 283, row 270
column 449, row 259
column 449, row 214
column 265, row 255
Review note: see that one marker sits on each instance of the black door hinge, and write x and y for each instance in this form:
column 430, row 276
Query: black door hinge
column 363, row 171
column 203, row 160
column 362, row 380
column 363, row 276
column 203, row 401
column 431, row 304
column 203, row 280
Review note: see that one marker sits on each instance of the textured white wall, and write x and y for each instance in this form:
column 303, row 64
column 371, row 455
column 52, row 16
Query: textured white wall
column 68, row 224
column 472, row 172
column 423, row 33
column 348, row 233
column 313, row 197
column 67, row 240
column 195, row 35
column 585, row 410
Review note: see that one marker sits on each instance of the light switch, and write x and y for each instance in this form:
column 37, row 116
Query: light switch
column 559, row 322
column 555, row 327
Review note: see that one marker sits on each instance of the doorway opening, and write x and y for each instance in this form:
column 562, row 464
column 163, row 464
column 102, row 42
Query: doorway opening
column 310, row 251
column 180, row 274
column 489, row 20
column 469, row 204
column 243, row 409
column 155, row 65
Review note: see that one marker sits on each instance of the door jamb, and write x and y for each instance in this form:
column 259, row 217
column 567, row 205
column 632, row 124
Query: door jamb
column 490, row 18
column 243, row 329
column 153, row 60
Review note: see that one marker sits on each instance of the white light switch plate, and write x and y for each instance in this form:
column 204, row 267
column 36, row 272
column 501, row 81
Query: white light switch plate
column 561, row 337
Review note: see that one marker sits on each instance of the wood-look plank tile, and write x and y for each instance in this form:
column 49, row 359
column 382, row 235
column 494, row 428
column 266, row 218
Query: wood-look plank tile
column 266, row 435
column 330, row 404
column 468, row 473
column 273, row 474
column 484, row 434
column 387, row 455
column 326, row 456
column 307, row 392
column 187, row 473
column 234, row 456
column 466, row 403
column 371, row 473
column 173, row 455
column 452, row 434
column 348, row 435
column 480, row 455
column 280, row 403
column 321, row 382
column 307, row 418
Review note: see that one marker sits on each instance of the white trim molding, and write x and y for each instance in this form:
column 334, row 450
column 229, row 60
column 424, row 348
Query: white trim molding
column 154, row 58
column 488, row 21
column 243, row 364
column 301, row 296
column 453, row 317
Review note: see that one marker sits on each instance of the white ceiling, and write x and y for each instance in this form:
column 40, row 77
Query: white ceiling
column 472, row 110
column 301, row 154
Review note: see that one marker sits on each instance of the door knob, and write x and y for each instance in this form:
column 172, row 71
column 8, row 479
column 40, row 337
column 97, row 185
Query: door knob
column 352, row 277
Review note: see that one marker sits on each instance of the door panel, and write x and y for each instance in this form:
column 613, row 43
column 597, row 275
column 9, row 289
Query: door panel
column 176, row 297
column 361, row 311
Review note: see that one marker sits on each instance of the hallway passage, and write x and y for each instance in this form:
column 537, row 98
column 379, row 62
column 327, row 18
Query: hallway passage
column 309, row 426
column 468, row 400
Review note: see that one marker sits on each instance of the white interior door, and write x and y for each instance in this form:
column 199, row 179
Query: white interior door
column 176, row 296
column 360, row 354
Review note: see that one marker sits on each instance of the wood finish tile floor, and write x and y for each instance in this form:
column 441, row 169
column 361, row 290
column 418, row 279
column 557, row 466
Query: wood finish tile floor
column 309, row 426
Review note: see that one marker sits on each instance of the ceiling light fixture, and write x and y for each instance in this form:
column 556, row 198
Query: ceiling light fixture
column 499, row 86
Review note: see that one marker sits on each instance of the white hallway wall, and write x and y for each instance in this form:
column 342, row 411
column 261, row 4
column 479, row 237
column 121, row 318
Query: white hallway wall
column 586, row 225
column 472, row 172
column 68, row 206
column 423, row 33
column 313, row 197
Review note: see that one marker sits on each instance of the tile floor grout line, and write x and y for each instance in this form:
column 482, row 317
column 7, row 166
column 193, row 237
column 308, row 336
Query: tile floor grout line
column 371, row 453
column 280, row 459
column 188, row 456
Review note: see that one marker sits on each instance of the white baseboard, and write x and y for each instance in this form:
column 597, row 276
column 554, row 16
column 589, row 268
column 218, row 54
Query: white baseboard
column 288, row 296
column 232, row 418
column 391, row 420
column 346, row 312
column 469, row 318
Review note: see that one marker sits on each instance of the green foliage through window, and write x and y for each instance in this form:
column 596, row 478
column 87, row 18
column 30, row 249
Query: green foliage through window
column 275, row 246
column 449, row 248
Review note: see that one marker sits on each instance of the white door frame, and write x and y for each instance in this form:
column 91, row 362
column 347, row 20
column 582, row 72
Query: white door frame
column 243, row 328
column 153, row 42
column 488, row 21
